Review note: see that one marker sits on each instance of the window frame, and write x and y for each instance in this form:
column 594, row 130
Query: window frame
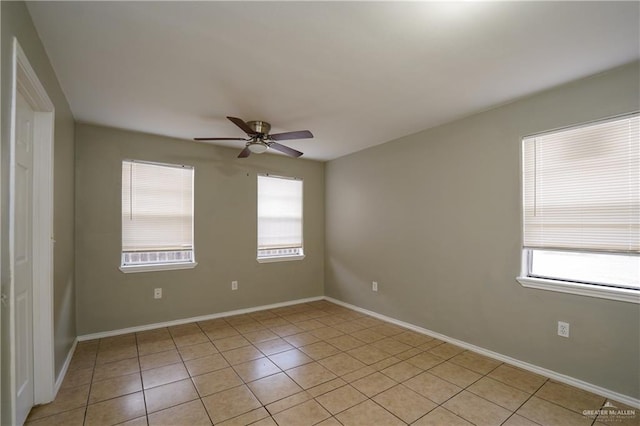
column 602, row 291
column 283, row 258
column 571, row 287
column 167, row 266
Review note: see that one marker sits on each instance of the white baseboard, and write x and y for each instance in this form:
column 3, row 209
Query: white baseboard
column 146, row 327
column 65, row 367
column 625, row 399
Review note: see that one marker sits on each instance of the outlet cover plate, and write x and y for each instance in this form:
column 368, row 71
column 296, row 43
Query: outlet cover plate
column 563, row 329
column 157, row 293
column 234, row 285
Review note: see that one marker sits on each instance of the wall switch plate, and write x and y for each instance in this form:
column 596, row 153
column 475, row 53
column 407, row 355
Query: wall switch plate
column 374, row 285
column 563, row 329
column 157, row 293
column 234, row 285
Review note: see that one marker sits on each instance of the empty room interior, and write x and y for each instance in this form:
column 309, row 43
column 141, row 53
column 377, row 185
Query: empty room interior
column 320, row 213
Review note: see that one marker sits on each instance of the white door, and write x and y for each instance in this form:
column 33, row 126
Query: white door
column 23, row 278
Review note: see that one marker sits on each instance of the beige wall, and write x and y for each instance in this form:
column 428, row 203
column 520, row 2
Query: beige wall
column 225, row 233
column 435, row 218
column 17, row 22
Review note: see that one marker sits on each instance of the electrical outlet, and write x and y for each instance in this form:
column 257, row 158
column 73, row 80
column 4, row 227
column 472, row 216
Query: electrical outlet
column 157, row 293
column 234, row 285
column 563, row 329
column 374, row 285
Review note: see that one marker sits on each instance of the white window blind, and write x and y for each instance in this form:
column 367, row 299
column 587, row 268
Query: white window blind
column 157, row 213
column 279, row 216
column 582, row 188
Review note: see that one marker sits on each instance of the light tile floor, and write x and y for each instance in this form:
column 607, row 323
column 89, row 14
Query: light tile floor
column 307, row 364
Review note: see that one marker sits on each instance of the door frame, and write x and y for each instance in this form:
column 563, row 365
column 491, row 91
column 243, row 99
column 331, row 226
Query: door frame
column 25, row 81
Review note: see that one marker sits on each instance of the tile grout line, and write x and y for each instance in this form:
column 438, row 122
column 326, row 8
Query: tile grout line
column 527, row 400
column 185, row 362
column 557, row 404
column 144, row 395
column 191, row 377
column 93, row 371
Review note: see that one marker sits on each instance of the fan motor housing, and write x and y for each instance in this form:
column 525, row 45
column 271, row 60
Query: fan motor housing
column 259, row 126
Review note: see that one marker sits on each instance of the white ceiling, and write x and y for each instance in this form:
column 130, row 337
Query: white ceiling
column 356, row 74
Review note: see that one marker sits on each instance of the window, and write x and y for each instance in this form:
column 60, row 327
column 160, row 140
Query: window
column 279, row 218
column 157, row 216
column 581, row 212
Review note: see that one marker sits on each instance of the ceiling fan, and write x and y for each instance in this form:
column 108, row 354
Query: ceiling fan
column 259, row 140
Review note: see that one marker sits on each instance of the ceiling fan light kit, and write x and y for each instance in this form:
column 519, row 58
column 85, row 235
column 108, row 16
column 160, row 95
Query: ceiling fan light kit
column 259, row 140
column 257, row 147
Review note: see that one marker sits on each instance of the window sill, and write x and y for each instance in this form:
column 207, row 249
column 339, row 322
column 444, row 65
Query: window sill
column 273, row 259
column 611, row 293
column 130, row 269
